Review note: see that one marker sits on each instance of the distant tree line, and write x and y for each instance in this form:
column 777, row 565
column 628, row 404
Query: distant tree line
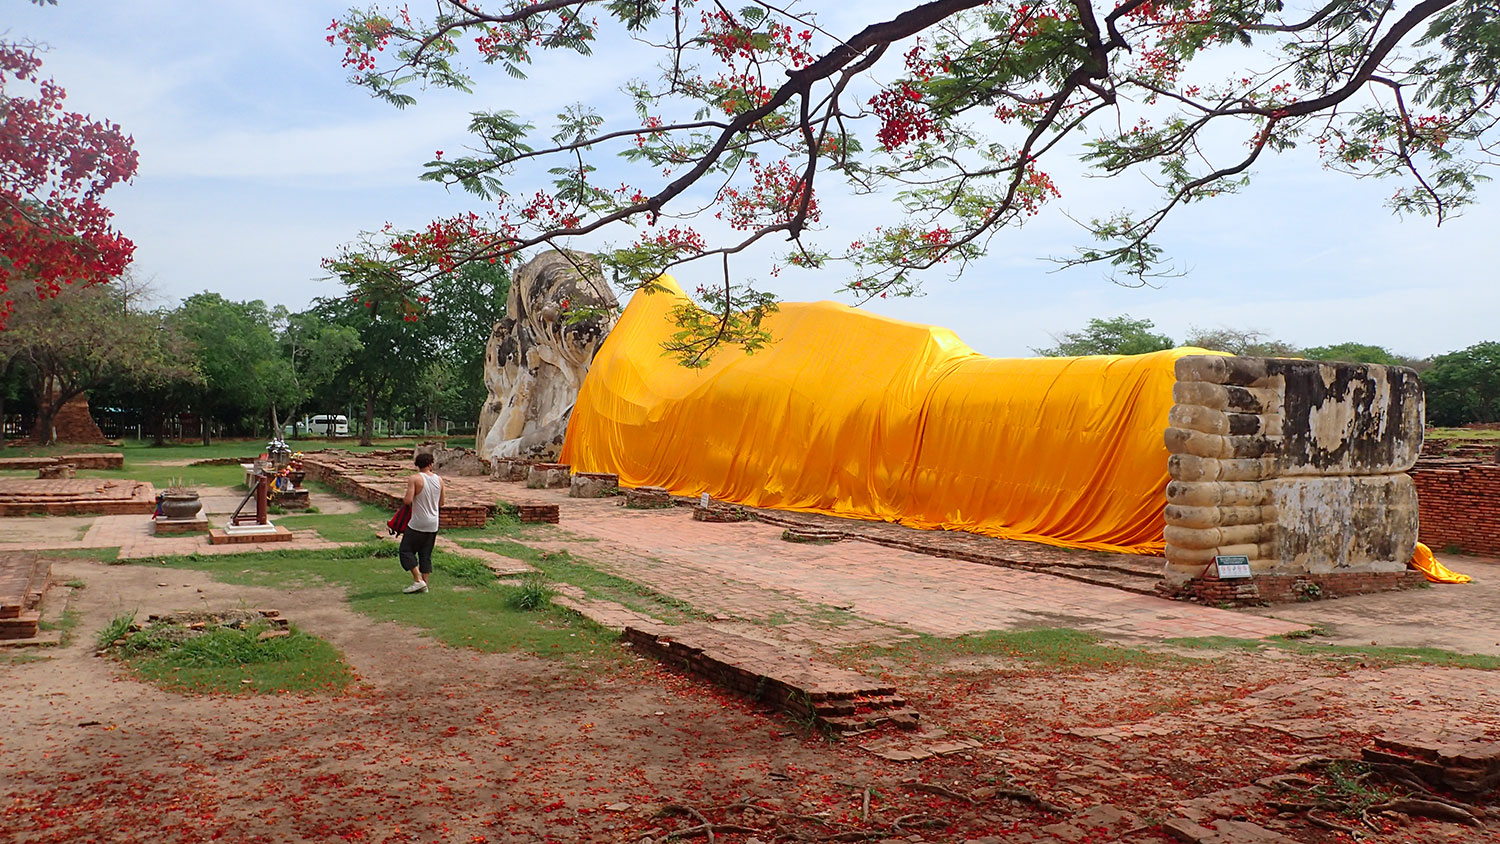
column 245, row 368
column 1461, row 386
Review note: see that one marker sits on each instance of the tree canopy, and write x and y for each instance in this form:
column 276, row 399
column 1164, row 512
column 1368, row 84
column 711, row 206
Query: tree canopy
column 1356, row 352
column 1121, row 335
column 85, row 337
column 1464, row 386
column 955, row 109
column 54, row 167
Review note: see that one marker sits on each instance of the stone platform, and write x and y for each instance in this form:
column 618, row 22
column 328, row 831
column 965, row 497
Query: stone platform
column 219, row 536
column 75, row 497
column 23, row 580
column 102, row 460
column 839, row 700
column 178, row 527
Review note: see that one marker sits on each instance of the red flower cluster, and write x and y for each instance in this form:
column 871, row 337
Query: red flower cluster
column 903, row 117
column 678, row 238
column 447, row 243
column 358, row 54
column 741, row 92
column 54, row 165
column 729, row 40
column 774, row 196
column 549, row 212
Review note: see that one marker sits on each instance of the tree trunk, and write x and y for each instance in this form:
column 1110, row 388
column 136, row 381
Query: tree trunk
column 203, row 429
column 46, row 419
column 47, row 409
column 4, row 388
column 365, row 431
column 275, row 423
column 158, row 437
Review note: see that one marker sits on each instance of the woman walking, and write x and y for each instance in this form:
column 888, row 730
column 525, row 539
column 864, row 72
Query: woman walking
column 424, row 495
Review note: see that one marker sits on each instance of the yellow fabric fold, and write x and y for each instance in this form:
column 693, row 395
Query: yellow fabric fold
column 1424, row 561
column 856, row 415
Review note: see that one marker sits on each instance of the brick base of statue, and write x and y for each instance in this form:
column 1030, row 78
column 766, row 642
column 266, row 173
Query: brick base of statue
column 1264, row 589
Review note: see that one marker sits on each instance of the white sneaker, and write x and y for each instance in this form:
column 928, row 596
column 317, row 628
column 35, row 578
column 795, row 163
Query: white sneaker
column 415, row 587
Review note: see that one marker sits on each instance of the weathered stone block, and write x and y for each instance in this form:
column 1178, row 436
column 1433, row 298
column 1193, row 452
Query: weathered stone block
column 1351, row 522
column 509, row 469
column 593, row 485
column 547, row 476
column 1298, row 465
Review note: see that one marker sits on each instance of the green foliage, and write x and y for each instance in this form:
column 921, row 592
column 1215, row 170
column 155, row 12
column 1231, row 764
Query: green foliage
column 227, row 660
column 1121, row 335
column 1464, row 386
column 116, row 629
column 562, row 567
column 1353, row 353
column 533, row 593
column 1240, row 342
column 236, row 348
column 315, row 351
column 439, row 336
column 86, row 337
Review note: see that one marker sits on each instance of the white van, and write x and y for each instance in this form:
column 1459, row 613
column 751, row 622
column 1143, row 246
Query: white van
column 328, row 426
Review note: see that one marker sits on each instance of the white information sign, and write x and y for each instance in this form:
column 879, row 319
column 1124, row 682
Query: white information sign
column 1232, row 567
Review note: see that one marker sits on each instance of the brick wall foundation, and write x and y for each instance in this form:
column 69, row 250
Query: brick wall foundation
column 1459, row 501
column 450, row 516
column 1286, row 588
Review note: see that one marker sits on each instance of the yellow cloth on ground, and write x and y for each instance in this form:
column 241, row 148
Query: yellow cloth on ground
column 856, row 415
column 1423, row 560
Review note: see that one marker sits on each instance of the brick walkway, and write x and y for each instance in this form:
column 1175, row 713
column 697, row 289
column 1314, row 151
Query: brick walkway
column 132, row 535
column 746, row 570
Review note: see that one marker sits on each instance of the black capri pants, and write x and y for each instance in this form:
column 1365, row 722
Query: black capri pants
column 416, row 549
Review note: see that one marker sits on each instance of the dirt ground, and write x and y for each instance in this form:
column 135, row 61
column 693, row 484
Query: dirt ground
column 438, row 744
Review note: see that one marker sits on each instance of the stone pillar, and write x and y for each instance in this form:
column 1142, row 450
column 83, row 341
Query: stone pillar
column 262, row 495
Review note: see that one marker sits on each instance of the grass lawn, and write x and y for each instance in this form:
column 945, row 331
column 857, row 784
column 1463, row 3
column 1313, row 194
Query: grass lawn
column 1375, row 654
column 1461, row 434
column 224, row 660
column 244, row 447
column 1065, row 648
column 466, row 606
column 1059, row 647
column 564, row 567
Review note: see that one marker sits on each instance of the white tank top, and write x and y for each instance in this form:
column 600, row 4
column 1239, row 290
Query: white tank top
column 424, row 505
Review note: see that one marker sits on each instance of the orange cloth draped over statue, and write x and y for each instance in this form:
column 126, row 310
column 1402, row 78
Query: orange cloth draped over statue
column 856, row 415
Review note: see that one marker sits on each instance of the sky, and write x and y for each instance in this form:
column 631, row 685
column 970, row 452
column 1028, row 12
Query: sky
column 258, row 160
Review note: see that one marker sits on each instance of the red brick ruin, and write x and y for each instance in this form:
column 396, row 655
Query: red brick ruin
column 1458, row 490
column 74, row 423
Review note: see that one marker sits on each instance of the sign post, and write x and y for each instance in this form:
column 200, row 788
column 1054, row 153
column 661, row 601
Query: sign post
column 1232, row 567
